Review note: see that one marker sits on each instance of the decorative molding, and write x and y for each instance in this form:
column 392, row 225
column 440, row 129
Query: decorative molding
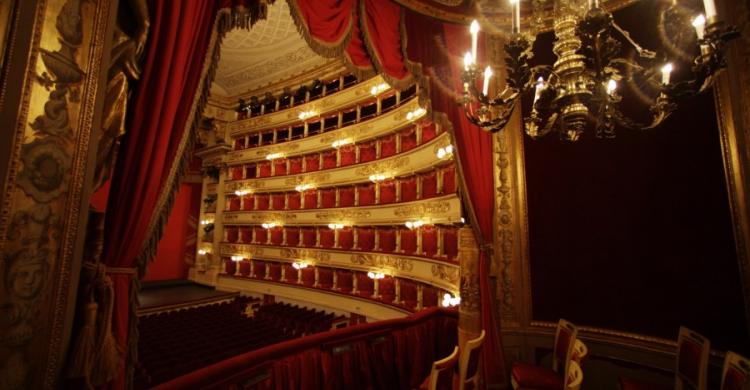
column 422, row 210
column 389, row 262
column 383, row 166
column 449, row 274
column 307, row 178
column 339, row 215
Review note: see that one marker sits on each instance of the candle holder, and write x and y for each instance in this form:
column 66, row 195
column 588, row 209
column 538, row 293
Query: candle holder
column 579, row 91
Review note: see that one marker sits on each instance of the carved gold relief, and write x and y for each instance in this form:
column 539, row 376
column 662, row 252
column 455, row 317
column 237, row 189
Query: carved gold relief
column 231, row 249
column 446, row 273
column 243, row 185
column 342, row 215
column 384, row 166
column 272, row 216
column 382, row 261
column 306, row 254
column 422, row 210
column 308, row 178
column 277, row 149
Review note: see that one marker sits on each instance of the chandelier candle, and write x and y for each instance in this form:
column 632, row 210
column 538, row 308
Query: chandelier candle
column 538, row 89
column 710, row 8
column 666, row 71
column 474, row 29
column 486, row 84
column 516, row 27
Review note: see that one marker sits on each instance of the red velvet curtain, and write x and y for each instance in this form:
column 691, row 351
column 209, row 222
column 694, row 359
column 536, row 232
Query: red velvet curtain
column 435, row 51
column 153, row 151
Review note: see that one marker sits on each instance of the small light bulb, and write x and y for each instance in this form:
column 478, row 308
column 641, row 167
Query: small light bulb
column 611, row 86
column 666, row 70
column 441, row 153
column 700, row 25
column 468, row 60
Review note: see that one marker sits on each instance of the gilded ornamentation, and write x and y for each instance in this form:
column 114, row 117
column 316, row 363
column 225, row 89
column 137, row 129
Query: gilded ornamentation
column 338, row 215
column 231, row 186
column 45, row 165
column 383, row 261
column 308, row 178
column 445, row 273
column 273, row 216
column 283, row 148
column 233, row 249
column 422, row 209
column 306, row 254
column 384, row 166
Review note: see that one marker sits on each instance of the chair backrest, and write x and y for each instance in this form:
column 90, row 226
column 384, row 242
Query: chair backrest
column 575, row 376
column 469, row 367
column 565, row 338
column 580, row 352
column 736, row 372
column 692, row 360
column 441, row 376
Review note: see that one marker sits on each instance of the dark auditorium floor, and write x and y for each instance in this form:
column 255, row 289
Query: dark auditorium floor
column 175, row 293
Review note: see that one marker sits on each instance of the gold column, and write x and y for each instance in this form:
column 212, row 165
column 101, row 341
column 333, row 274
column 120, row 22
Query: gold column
column 470, row 316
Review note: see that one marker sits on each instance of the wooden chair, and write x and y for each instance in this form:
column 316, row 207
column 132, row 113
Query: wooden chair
column 575, row 376
column 690, row 368
column 469, row 368
column 524, row 375
column 736, row 372
column 441, row 375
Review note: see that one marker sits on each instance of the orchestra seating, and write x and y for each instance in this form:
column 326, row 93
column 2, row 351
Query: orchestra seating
column 174, row 343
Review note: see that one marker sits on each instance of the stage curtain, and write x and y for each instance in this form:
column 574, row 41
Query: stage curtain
column 433, row 53
column 380, row 24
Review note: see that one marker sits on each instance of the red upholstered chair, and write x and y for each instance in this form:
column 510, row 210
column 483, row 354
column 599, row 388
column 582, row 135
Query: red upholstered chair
column 237, row 173
column 450, row 241
column 264, row 169
column 308, row 276
column 365, row 239
column 327, row 237
column 441, row 375
column 250, row 171
column 408, row 139
column 294, row 200
column 348, row 155
column 295, row 165
column 262, row 202
column 387, row 191
column 429, row 241
column 367, row 151
column 386, row 239
column 329, row 159
column 325, row 277
column 290, row 273
column 346, row 196
column 311, row 199
column 428, row 132
column 366, row 194
column 232, row 233
column 429, row 185
column 292, row 236
column 230, row 267
column 469, row 366
column 279, row 168
column 365, row 285
column 277, row 201
column 344, row 281
column 408, row 293
column 246, row 234
column 244, row 268
column 235, row 203
column 429, row 296
column 308, row 237
column 277, row 235
column 736, row 372
column 248, row 202
column 387, row 289
column 312, row 162
column 408, row 188
column 408, row 241
column 691, row 365
column 261, row 235
column 449, row 179
column 328, row 198
column 524, row 375
column 274, row 271
column 346, row 238
column 387, row 146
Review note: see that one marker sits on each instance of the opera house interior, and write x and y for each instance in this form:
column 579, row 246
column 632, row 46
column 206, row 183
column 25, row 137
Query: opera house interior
column 375, row 194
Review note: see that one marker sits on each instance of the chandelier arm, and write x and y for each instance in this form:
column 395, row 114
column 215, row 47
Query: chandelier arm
column 661, row 110
column 638, row 48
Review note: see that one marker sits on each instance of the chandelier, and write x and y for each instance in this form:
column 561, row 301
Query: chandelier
column 580, row 90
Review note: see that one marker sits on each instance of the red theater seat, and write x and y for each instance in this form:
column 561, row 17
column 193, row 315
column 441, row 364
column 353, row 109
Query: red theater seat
column 736, row 372
column 524, row 375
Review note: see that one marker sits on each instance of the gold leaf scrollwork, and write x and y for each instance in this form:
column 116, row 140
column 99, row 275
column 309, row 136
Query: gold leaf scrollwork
column 273, row 216
column 384, row 166
column 421, row 210
column 277, row 149
column 383, row 261
column 445, row 273
column 342, row 214
column 307, row 178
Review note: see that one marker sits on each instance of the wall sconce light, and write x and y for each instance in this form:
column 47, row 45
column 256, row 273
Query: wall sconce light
column 414, row 224
column 376, row 90
column 378, row 177
column 307, row 114
column 242, row 192
column 206, row 221
column 274, row 156
column 270, row 225
column 237, row 258
column 303, row 187
column 416, row 114
column 203, row 252
column 450, row 300
column 299, row 265
column 446, row 151
column 341, row 142
column 334, row 226
column 375, row 275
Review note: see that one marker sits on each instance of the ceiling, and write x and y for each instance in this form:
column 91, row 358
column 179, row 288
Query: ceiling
column 269, row 52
